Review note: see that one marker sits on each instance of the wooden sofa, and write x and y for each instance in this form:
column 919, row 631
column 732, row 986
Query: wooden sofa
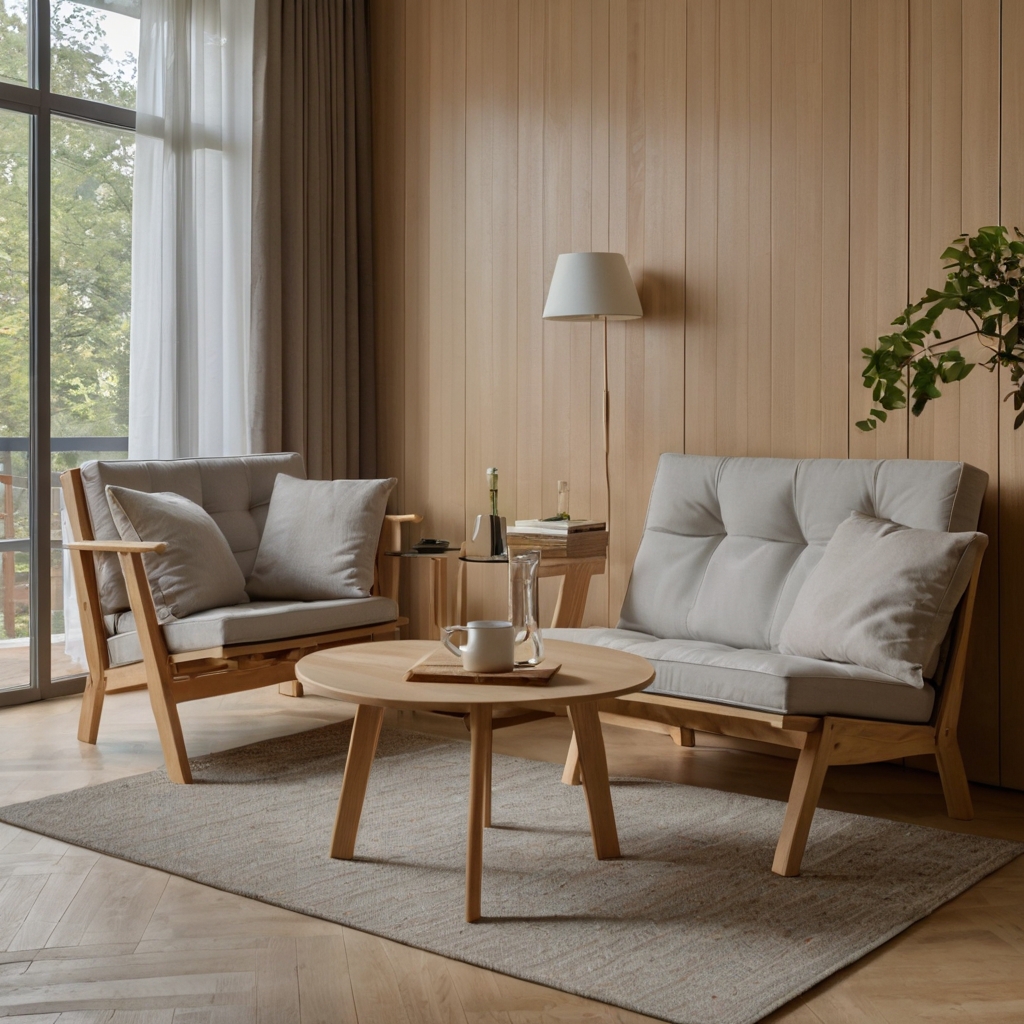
column 766, row 521
column 126, row 647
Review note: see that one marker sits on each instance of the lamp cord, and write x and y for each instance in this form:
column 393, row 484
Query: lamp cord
column 607, row 484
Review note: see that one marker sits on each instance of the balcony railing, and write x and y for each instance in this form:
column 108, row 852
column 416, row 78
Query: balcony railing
column 9, row 445
column 68, row 444
column 14, row 583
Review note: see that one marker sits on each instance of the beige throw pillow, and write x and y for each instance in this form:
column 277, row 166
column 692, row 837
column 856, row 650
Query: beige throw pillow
column 882, row 596
column 320, row 539
column 198, row 570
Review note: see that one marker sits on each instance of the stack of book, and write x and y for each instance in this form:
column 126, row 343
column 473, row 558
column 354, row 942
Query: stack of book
column 559, row 538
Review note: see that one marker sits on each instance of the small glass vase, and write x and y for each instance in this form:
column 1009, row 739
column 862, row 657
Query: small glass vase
column 522, row 607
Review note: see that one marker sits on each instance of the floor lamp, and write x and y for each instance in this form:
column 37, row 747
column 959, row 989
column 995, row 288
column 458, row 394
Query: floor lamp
column 594, row 286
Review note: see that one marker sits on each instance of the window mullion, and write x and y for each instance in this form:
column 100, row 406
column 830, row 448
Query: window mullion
column 93, row 111
column 39, row 358
column 19, row 97
column 36, row 99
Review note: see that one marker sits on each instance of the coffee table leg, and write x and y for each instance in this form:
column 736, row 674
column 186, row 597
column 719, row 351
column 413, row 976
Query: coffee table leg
column 487, row 788
column 479, row 782
column 571, row 774
column 590, row 743
column 361, row 748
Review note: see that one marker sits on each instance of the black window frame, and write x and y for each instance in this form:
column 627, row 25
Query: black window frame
column 37, row 101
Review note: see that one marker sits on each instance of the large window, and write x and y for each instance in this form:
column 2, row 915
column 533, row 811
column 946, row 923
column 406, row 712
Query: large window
column 67, row 120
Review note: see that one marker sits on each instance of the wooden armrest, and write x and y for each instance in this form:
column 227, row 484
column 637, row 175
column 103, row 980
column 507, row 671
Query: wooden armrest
column 408, row 517
column 115, row 547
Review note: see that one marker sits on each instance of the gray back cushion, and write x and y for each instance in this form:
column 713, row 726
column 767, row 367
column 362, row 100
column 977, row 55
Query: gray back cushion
column 234, row 491
column 198, row 570
column 729, row 542
column 320, row 539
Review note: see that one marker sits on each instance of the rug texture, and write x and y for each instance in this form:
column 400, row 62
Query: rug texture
column 690, row 925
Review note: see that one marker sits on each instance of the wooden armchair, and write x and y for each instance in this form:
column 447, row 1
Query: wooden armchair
column 822, row 741
column 173, row 678
column 727, row 546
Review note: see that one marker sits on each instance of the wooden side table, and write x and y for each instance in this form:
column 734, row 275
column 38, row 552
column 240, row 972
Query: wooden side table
column 569, row 605
column 438, row 615
column 572, row 593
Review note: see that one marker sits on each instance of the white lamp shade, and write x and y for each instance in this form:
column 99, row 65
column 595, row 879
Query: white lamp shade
column 592, row 286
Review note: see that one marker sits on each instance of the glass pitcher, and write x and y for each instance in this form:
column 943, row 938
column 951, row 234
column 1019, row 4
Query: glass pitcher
column 522, row 607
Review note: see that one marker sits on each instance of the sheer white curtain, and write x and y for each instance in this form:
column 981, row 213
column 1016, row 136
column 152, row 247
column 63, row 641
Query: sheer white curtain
column 191, row 233
column 191, row 240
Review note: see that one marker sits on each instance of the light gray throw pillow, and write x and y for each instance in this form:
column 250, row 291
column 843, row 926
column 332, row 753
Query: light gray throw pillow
column 198, row 570
column 882, row 597
column 320, row 539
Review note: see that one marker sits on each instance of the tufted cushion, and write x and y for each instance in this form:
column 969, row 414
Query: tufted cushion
column 728, row 542
column 234, row 491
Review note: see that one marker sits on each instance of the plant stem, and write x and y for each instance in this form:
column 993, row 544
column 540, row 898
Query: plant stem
column 959, row 337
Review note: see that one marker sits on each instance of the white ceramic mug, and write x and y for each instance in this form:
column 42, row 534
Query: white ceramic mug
column 490, row 646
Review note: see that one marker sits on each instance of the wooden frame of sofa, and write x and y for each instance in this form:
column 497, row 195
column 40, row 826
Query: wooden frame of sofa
column 173, row 679
column 822, row 741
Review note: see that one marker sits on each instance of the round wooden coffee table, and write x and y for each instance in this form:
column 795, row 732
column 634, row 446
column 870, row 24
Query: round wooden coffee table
column 372, row 675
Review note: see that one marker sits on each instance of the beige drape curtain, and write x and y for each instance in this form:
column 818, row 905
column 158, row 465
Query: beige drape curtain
column 312, row 368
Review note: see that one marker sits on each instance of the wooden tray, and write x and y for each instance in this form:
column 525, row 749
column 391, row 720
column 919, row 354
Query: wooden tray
column 441, row 666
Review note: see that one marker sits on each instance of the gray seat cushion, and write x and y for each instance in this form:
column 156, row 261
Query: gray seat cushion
column 256, row 622
column 764, row 680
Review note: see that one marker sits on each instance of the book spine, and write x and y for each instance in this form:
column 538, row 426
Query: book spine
column 555, row 530
column 574, row 546
column 539, row 531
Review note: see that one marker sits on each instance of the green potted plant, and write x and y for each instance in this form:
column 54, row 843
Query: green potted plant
column 984, row 282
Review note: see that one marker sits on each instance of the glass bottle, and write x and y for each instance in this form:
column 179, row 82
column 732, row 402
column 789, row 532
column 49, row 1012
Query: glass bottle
column 522, row 607
column 492, row 486
column 497, row 542
column 563, row 499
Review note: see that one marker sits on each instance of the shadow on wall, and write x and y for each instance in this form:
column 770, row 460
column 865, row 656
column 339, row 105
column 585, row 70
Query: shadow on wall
column 663, row 296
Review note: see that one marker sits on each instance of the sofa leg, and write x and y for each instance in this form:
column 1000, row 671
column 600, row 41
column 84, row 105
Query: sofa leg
column 168, row 725
column 158, row 668
column 573, row 774
column 92, row 708
column 291, row 688
column 682, row 737
column 954, row 780
column 803, row 799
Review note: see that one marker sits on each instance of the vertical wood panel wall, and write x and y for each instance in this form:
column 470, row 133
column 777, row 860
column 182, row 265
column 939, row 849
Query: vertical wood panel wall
column 781, row 176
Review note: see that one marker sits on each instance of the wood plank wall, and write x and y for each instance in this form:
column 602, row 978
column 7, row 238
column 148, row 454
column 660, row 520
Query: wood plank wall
column 781, row 176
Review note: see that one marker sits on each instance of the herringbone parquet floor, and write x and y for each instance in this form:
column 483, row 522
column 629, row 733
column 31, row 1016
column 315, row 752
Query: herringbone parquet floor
column 86, row 939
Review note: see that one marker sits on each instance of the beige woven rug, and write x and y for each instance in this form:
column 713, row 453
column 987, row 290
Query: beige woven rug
column 690, row 925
